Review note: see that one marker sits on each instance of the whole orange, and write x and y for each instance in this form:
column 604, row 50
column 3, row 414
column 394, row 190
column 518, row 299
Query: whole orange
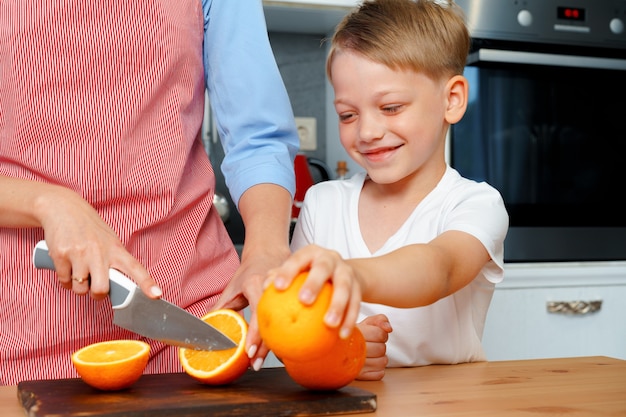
column 335, row 369
column 219, row 367
column 112, row 365
column 291, row 329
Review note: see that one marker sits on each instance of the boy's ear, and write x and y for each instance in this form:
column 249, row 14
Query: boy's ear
column 457, row 90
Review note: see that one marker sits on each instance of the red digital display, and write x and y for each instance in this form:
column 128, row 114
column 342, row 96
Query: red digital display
column 571, row 13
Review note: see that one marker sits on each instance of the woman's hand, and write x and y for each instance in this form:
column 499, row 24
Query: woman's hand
column 245, row 289
column 82, row 246
column 266, row 246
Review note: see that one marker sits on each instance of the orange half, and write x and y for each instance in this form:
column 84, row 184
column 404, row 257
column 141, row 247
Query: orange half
column 219, row 367
column 112, row 365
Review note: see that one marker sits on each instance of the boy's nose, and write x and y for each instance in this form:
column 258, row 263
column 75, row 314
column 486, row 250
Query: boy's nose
column 370, row 128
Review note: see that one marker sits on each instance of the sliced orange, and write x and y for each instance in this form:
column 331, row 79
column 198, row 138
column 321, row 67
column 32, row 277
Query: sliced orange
column 219, row 367
column 112, row 365
column 293, row 330
column 333, row 370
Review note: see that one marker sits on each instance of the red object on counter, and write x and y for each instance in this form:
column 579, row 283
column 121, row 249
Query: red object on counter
column 304, row 180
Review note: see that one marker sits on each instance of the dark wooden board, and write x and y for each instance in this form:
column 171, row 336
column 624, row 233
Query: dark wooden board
column 269, row 392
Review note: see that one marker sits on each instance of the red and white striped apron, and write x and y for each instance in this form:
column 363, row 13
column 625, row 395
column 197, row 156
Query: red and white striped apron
column 105, row 98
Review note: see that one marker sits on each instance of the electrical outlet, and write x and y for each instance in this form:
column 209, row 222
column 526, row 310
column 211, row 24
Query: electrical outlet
column 307, row 130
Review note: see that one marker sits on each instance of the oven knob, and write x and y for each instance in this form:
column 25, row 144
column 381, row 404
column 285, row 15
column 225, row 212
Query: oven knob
column 617, row 26
column 525, row 18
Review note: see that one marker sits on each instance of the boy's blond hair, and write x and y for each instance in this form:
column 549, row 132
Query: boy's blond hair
column 428, row 36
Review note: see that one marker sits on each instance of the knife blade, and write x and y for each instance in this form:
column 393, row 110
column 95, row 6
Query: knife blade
column 157, row 319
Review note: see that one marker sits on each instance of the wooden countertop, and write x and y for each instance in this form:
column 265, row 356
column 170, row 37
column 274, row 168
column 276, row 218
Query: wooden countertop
column 584, row 386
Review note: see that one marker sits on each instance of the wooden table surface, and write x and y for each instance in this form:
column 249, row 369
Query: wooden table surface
column 573, row 387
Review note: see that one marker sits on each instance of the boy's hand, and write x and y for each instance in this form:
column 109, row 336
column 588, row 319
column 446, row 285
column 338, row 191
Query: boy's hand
column 376, row 331
column 323, row 265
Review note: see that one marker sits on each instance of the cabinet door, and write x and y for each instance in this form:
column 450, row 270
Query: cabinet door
column 519, row 325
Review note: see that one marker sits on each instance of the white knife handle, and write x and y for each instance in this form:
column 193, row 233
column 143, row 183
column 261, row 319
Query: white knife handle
column 41, row 259
column 121, row 288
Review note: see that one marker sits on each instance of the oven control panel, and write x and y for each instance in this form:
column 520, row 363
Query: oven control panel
column 573, row 22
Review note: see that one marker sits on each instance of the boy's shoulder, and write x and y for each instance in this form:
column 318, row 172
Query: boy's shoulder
column 461, row 188
column 456, row 179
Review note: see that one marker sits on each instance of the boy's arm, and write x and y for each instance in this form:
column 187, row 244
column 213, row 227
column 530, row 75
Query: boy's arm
column 420, row 274
column 412, row 276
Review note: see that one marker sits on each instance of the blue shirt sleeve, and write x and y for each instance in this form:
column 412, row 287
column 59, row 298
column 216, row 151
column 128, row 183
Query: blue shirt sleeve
column 248, row 97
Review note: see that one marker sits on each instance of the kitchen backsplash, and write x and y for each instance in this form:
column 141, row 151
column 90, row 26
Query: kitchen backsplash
column 301, row 60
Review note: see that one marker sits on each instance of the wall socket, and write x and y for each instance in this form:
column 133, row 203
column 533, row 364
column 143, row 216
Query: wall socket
column 307, row 130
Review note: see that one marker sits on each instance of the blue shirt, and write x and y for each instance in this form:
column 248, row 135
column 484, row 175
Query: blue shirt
column 248, row 97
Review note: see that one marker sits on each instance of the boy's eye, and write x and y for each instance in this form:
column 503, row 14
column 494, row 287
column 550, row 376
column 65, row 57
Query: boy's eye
column 345, row 117
column 392, row 109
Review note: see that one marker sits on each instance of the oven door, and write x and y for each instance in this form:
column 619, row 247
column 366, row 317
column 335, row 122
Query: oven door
column 548, row 131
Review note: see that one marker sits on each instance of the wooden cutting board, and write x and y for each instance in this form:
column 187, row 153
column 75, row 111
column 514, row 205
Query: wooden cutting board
column 269, row 392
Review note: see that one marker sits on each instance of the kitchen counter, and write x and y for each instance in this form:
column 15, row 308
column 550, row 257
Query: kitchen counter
column 583, row 386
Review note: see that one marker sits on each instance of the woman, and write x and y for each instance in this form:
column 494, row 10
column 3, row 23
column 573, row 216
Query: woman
column 101, row 156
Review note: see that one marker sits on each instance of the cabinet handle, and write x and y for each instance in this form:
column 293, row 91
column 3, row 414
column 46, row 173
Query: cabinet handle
column 574, row 307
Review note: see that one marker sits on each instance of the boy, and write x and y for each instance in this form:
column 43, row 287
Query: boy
column 411, row 238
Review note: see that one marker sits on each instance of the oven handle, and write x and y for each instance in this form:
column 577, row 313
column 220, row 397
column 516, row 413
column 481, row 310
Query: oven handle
column 519, row 57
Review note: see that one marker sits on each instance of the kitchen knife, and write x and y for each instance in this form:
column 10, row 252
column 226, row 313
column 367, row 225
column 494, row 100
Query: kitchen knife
column 153, row 318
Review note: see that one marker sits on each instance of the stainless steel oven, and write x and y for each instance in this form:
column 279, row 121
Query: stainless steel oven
column 546, row 123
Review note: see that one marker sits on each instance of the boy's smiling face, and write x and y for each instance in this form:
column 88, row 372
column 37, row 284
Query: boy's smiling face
column 392, row 122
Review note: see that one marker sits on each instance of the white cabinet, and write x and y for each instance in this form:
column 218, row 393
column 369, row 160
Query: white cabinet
column 522, row 325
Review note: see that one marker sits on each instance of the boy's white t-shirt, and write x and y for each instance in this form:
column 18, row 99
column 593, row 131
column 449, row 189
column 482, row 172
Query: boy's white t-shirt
column 450, row 330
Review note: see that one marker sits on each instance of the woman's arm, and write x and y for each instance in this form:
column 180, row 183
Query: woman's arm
column 80, row 243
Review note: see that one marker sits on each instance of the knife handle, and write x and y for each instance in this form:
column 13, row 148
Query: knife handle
column 121, row 288
column 41, row 259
